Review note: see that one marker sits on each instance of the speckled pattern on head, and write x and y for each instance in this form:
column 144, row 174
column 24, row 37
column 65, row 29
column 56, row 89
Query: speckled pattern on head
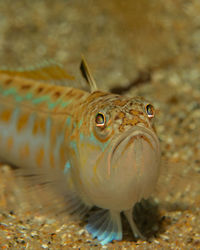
column 93, row 149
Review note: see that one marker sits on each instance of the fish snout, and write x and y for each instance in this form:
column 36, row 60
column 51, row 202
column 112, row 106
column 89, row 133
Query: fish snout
column 135, row 165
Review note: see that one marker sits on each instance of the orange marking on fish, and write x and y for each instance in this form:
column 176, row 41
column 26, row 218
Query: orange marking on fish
column 39, row 126
column 42, row 125
column 8, row 81
column 67, row 134
column 25, row 150
column 40, row 157
column 95, row 169
column 131, row 122
column 35, row 127
column 48, row 89
column 26, row 86
column 96, row 95
column 53, row 135
column 22, row 122
column 57, row 94
column 147, row 140
column 121, row 128
column 120, row 102
column 62, row 157
column 39, row 89
column 79, row 95
column 52, row 160
column 6, row 115
column 135, row 112
column 10, row 142
column 69, row 93
column 120, row 115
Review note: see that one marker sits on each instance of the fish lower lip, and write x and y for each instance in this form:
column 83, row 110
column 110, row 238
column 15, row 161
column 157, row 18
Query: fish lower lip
column 144, row 135
column 130, row 140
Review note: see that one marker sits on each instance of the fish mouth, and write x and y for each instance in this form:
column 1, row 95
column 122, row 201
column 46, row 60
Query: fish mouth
column 136, row 133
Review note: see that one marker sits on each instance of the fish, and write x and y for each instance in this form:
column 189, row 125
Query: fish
column 91, row 148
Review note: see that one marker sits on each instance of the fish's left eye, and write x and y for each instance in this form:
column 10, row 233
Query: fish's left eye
column 100, row 120
column 150, row 110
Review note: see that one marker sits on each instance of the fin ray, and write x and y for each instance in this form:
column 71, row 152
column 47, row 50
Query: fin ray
column 105, row 225
column 47, row 71
column 87, row 75
column 132, row 224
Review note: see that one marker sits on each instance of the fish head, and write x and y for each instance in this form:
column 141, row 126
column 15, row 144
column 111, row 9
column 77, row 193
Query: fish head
column 119, row 151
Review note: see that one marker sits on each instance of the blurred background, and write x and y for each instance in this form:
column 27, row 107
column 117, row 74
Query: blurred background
column 133, row 47
column 118, row 38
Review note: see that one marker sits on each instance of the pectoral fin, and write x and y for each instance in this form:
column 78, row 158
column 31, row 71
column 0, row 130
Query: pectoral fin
column 134, row 228
column 53, row 189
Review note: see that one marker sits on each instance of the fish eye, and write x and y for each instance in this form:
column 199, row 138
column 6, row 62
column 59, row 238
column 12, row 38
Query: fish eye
column 100, row 120
column 150, row 110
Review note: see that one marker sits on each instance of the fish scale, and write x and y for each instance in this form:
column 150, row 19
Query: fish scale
column 89, row 148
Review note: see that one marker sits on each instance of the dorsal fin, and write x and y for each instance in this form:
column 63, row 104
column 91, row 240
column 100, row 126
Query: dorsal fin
column 47, row 71
column 87, row 75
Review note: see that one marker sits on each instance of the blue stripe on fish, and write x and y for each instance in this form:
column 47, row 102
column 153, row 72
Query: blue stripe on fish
column 67, row 167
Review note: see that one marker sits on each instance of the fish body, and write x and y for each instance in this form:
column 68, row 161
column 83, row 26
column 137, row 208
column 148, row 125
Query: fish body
column 93, row 149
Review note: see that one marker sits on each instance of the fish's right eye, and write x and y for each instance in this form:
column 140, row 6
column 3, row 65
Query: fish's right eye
column 100, row 120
